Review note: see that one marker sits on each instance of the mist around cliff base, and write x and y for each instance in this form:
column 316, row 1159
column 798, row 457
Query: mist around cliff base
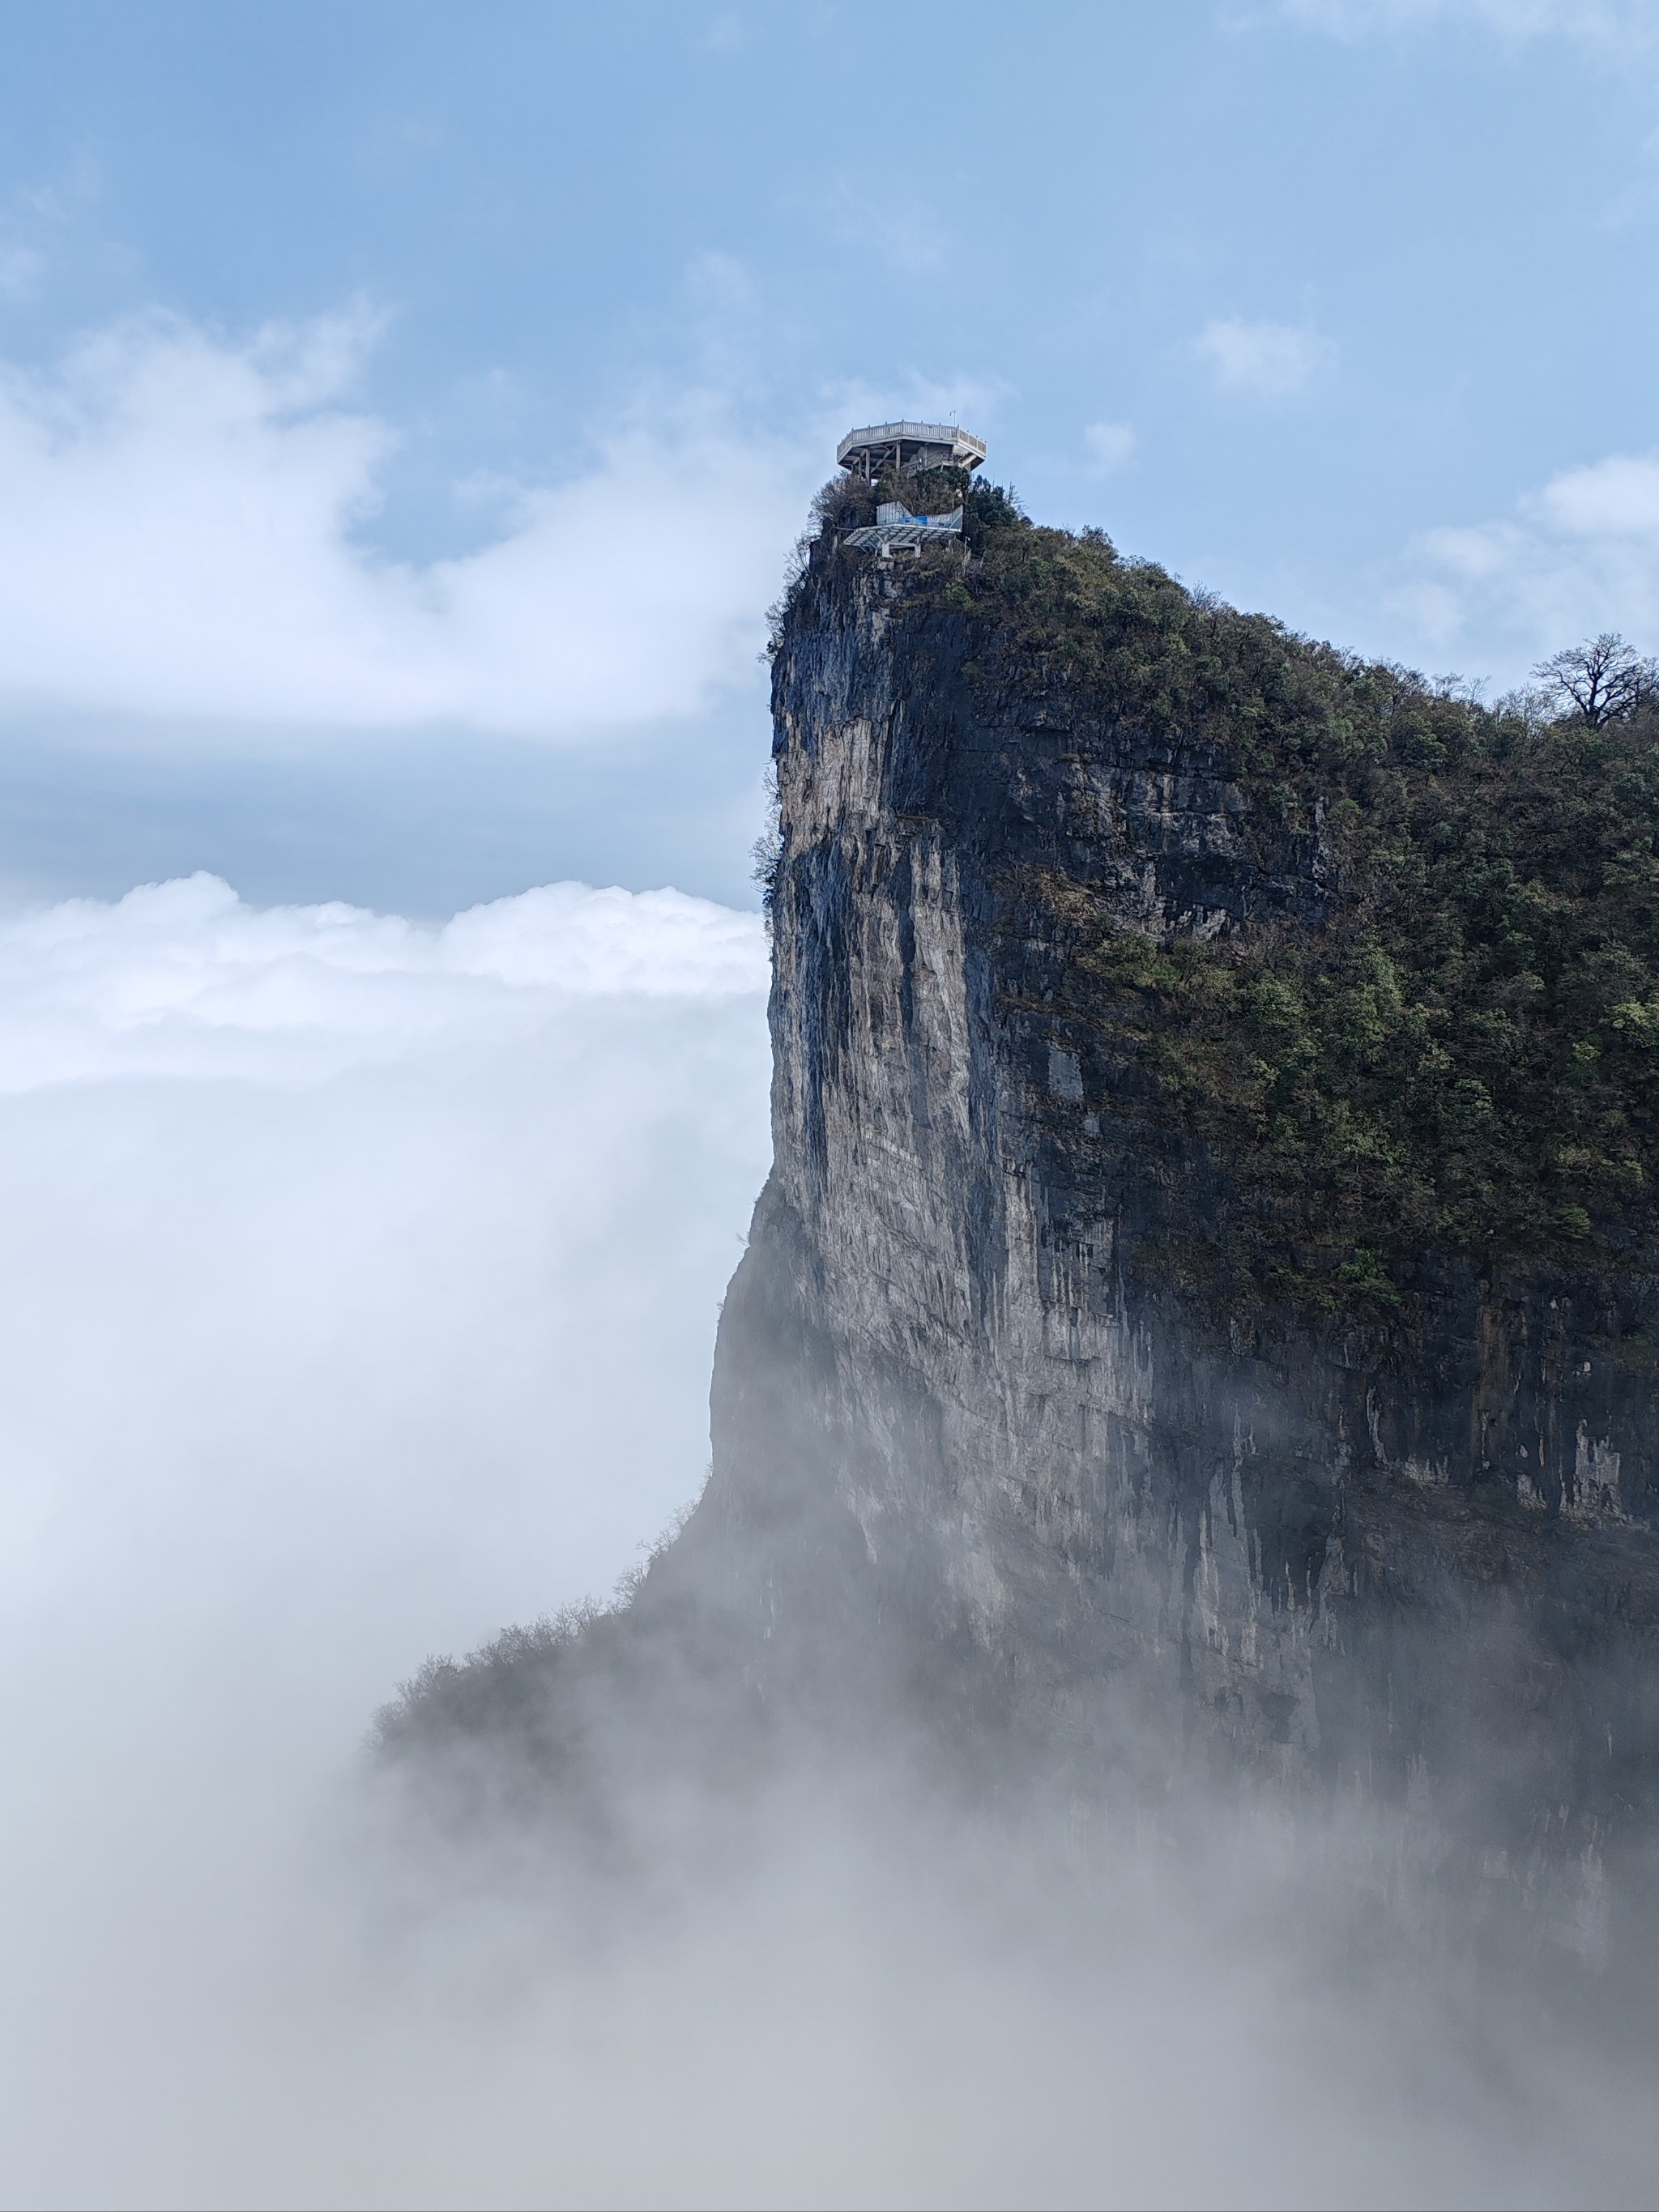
column 359, row 1281
column 841, row 1995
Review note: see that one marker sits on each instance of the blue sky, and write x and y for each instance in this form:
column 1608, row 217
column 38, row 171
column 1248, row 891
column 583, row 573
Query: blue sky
column 407, row 410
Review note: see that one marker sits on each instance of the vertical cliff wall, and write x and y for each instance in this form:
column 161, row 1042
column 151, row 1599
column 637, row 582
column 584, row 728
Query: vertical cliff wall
column 974, row 1400
column 1202, row 1323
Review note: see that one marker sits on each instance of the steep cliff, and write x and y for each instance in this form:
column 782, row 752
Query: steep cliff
column 1201, row 1317
column 1398, row 1535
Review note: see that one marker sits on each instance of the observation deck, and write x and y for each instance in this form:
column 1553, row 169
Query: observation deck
column 909, row 447
column 896, row 529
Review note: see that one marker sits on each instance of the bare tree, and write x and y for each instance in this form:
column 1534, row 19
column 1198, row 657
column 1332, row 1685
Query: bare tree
column 1603, row 682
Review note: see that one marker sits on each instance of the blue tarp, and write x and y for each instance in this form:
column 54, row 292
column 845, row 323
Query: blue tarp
column 890, row 515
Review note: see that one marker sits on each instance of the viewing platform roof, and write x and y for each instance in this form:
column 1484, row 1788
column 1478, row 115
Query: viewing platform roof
column 909, row 445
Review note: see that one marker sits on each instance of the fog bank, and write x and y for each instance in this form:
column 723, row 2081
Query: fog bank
column 358, row 1282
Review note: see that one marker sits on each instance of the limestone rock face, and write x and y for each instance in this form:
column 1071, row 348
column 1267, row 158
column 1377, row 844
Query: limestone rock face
column 1424, row 1570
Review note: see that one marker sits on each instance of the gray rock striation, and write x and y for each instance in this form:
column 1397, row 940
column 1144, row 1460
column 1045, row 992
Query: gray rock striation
column 995, row 1467
column 960, row 1403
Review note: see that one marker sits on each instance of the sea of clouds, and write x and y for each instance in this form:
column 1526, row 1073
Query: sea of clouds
column 358, row 1285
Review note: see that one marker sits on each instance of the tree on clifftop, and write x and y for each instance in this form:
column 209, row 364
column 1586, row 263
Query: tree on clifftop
column 1603, row 682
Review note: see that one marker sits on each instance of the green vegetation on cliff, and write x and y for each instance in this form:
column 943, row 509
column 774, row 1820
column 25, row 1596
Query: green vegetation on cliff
column 1465, row 1055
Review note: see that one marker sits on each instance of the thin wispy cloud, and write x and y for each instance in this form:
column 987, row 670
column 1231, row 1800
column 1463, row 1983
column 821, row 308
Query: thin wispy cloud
column 21, row 269
column 889, row 223
column 1609, row 24
column 182, row 535
column 1109, row 447
column 1577, row 555
column 1262, row 359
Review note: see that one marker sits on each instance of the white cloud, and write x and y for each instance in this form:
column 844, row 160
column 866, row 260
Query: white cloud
column 183, row 980
column 1609, row 24
column 1616, row 498
column 1268, row 360
column 21, row 267
column 277, row 1179
column 1578, row 556
column 891, row 225
column 1109, row 445
column 725, row 31
column 358, row 1282
column 177, row 520
column 342, row 1165
column 37, row 220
